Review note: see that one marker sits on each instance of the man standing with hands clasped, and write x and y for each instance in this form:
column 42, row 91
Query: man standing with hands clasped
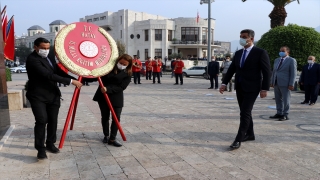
column 283, row 77
column 44, row 94
column 252, row 67
column 214, row 73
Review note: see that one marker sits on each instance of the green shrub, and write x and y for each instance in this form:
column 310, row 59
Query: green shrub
column 8, row 74
column 302, row 41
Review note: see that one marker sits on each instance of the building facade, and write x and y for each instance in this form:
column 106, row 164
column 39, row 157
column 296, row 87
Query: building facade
column 225, row 48
column 152, row 35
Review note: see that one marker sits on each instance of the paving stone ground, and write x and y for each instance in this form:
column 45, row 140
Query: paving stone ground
column 173, row 133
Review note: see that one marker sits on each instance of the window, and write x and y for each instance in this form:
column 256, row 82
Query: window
column 103, row 18
column 138, row 36
column 189, row 33
column 146, row 53
column 146, row 35
column 120, row 19
column 158, row 52
column 158, row 34
column 89, row 20
column 169, row 35
column 51, row 29
column 29, row 44
column 120, row 34
column 51, row 42
column 56, row 29
column 169, row 52
column 95, row 19
column 205, row 35
column 131, row 36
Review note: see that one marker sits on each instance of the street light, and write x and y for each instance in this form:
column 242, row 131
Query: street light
column 209, row 31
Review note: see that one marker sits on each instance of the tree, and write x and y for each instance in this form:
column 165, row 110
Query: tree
column 22, row 52
column 278, row 14
column 175, row 55
column 121, row 47
column 302, row 41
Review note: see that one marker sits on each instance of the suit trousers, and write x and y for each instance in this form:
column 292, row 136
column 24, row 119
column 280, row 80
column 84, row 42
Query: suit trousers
column 282, row 95
column 181, row 78
column 215, row 78
column 246, row 101
column 156, row 74
column 136, row 77
column 105, row 116
column 311, row 93
column 148, row 75
column 46, row 114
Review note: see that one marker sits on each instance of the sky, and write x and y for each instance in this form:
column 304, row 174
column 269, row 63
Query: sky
column 231, row 15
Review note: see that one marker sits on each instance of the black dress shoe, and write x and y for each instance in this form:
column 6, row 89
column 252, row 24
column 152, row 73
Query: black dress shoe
column 210, row 88
column 311, row 104
column 248, row 138
column 42, row 155
column 235, row 145
column 53, row 149
column 175, row 84
column 105, row 139
column 114, row 143
column 284, row 118
column 139, row 83
column 276, row 116
column 304, row 102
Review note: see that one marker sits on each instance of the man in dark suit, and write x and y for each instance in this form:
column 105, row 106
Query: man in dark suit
column 44, row 94
column 310, row 79
column 252, row 67
column 213, row 72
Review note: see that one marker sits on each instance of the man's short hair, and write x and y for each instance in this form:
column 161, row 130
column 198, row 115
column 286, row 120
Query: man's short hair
column 287, row 48
column 40, row 40
column 249, row 31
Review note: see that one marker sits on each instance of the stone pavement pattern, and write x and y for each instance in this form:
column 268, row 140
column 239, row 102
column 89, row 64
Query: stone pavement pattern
column 173, row 132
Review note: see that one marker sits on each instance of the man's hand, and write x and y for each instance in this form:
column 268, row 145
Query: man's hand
column 103, row 90
column 290, row 88
column 222, row 88
column 76, row 83
column 263, row 94
column 217, row 74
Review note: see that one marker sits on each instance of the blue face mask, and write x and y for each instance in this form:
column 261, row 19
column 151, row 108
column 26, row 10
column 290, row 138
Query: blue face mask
column 282, row 54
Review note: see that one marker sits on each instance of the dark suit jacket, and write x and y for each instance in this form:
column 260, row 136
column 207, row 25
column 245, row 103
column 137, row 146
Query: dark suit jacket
column 213, row 68
column 310, row 76
column 255, row 73
column 115, row 84
column 43, row 78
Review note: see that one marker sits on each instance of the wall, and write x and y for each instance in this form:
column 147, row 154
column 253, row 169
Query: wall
column 4, row 106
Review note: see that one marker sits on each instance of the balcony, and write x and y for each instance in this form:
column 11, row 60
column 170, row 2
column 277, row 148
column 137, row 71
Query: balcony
column 182, row 42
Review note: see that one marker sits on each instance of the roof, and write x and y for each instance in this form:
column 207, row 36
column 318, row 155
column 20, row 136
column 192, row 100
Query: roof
column 36, row 27
column 58, row 22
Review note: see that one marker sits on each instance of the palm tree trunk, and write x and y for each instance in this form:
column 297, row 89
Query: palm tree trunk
column 278, row 16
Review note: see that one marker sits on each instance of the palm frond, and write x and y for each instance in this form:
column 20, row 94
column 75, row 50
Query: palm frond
column 279, row 2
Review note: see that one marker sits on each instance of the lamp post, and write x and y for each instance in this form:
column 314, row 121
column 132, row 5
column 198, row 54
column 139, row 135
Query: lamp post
column 209, row 31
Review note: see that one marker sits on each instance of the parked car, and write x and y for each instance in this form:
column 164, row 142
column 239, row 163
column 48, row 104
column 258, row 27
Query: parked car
column 19, row 69
column 195, row 71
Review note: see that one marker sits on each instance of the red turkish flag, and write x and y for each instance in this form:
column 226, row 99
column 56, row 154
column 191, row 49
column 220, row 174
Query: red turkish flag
column 9, row 41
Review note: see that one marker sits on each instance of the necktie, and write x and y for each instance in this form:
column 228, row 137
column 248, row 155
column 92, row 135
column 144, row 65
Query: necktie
column 243, row 58
column 280, row 63
column 49, row 62
column 310, row 65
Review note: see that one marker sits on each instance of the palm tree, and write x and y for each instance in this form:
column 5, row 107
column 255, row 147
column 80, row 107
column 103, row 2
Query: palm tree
column 278, row 14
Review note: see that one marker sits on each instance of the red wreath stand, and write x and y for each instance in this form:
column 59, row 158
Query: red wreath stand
column 73, row 109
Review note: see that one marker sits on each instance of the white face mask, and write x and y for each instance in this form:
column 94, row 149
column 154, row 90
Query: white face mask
column 227, row 59
column 243, row 42
column 121, row 67
column 43, row 53
column 310, row 61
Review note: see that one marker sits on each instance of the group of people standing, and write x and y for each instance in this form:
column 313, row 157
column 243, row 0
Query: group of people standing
column 153, row 67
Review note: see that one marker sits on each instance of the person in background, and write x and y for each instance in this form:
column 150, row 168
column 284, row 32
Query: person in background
column 283, row 77
column 225, row 66
column 148, row 68
column 136, row 69
column 114, row 84
column 213, row 72
column 172, row 67
column 310, row 79
column 156, row 67
column 177, row 67
column 44, row 95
